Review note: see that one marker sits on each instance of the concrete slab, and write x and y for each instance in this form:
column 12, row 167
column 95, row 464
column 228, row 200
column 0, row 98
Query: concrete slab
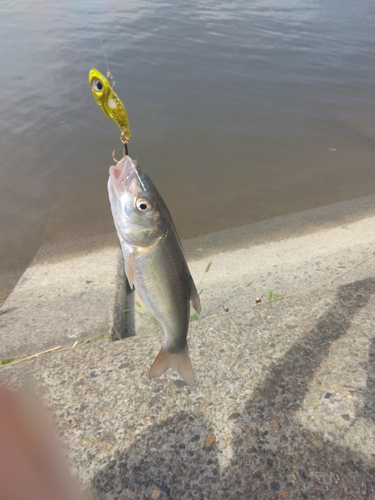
column 282, row 268
column 284, row 403
column 57, row 302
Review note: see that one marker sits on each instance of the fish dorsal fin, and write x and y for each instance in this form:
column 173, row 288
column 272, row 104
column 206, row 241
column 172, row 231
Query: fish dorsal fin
column 129, row 268
column 194, row 297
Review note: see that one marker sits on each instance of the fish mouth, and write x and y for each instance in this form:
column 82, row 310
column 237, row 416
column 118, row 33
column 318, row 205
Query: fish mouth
column 122, row 174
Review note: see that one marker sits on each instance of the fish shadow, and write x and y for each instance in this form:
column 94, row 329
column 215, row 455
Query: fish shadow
column 270, row 454
column 369, row 398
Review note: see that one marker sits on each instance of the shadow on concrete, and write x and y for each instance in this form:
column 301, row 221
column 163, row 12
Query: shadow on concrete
column 124, row 311
column 369, row 404
column 273, row 455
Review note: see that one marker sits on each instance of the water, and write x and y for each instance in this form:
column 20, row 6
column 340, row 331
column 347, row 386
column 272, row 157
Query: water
column 240, row 111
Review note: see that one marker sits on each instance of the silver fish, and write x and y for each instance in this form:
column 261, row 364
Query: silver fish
column 154, row 262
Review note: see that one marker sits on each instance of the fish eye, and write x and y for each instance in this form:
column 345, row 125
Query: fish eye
column 143, row 205
column 97, row 85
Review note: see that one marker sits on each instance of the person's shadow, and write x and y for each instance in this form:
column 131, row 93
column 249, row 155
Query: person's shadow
column 273, row 455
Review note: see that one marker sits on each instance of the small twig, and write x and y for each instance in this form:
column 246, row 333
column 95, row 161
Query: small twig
column 25, row 358
column 351, row 269
column 204, row 274
column 40, row 353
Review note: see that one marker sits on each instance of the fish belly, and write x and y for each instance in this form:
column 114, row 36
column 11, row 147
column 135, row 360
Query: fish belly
column 162, row 279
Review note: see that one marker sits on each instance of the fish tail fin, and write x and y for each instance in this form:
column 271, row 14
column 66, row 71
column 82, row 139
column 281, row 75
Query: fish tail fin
column 179, row 361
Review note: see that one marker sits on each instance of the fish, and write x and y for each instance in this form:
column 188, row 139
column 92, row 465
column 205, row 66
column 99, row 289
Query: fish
column 155, row 264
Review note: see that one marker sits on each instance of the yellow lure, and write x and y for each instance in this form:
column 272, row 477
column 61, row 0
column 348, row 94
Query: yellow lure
column 107, row 99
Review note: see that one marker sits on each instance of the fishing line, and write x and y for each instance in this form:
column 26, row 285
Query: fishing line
column 137, row 174
column 103, row 50
column 123, row 138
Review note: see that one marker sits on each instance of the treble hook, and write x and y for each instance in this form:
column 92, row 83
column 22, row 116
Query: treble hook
column 125, row 152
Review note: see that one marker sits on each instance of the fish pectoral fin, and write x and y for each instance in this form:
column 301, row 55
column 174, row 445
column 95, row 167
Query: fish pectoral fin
column 194, row 297
column 179, row 361
column 129, row 268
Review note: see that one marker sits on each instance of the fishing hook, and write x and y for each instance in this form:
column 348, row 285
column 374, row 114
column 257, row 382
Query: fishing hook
column 125, row 152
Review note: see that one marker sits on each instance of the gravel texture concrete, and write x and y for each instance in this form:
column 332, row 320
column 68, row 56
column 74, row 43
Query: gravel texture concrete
column 58, row 301
column 284, row 401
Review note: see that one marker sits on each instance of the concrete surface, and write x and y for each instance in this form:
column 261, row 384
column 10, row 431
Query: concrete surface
column 61, row 299
column 284, row 401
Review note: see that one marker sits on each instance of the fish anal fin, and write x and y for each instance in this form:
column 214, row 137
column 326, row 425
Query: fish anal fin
column 194, row 297
column 129, row 268
column 179, row 361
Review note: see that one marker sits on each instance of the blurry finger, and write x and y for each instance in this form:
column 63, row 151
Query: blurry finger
column 18, row 477
column 38, row 444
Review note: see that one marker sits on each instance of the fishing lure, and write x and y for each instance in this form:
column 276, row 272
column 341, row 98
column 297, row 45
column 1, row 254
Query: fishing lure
column 107, row 99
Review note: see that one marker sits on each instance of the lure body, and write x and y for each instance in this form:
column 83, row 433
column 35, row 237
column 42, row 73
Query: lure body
column 111, row 105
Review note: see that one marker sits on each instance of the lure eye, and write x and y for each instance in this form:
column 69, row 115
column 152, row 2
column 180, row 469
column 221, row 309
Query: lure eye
column 97, row 85
column 143, row 205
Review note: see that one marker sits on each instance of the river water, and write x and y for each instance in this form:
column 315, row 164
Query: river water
column 240, row 111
